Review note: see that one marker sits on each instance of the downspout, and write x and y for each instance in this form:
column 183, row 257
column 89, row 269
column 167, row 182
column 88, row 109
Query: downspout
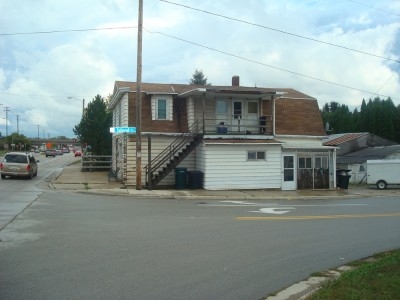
column 273, row 115
column 204, row 114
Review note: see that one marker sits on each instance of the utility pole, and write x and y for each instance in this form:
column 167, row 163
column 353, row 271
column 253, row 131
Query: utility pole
column 6, row 109
column 38, row 131
column 139, row 100
column 17, row 124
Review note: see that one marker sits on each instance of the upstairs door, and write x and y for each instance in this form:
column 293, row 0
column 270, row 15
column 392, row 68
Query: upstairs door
column 237, row 124
column 251, row 118
column 221, row 112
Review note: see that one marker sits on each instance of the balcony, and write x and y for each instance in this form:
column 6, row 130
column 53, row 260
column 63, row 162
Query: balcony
column 239, row 126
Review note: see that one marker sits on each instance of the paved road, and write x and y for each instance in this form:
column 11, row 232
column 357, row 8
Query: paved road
column 18, row 193
column 69, row 245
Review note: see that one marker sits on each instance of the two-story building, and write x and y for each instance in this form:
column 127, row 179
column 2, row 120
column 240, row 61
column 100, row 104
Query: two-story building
column 237, row 137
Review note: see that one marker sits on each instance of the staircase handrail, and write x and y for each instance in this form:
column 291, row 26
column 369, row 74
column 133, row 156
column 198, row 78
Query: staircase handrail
column 169, row 152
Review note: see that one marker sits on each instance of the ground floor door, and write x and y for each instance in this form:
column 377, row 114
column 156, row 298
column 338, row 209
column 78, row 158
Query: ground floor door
column 312, row 171
column 289, row 172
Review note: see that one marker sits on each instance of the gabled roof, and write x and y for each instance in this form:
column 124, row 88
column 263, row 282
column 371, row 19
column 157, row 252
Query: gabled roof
column 338, row 139
column 173, row 88
column 365, row 154
column 298, row 116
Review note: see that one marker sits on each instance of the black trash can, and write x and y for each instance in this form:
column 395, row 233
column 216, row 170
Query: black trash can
column 195, row 179
column 343, row 178
column 180, row 178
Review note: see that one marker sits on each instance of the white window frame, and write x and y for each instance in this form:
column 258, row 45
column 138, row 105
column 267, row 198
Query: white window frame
column 258, row 155
column 154, row 107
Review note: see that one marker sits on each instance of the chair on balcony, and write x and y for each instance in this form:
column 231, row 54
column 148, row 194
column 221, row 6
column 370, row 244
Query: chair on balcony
column 221, row 129
column 263, row 124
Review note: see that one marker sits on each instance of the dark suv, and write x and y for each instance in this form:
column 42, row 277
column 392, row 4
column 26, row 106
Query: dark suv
column 51, row 152
column 18, row 164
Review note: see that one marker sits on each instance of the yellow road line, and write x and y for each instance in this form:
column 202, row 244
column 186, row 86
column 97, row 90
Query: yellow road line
column 316, row 217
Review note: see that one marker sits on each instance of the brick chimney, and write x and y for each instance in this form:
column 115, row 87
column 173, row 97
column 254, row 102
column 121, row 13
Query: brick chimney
column 235, row 80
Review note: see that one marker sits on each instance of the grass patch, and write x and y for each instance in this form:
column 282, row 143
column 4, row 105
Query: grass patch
column 378, row 279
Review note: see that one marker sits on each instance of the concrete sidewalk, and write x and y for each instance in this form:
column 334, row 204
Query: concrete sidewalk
column 73, row 179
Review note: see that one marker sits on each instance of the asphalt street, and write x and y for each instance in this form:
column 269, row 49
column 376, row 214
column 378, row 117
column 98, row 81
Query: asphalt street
column 71, row 235
column 70, row 245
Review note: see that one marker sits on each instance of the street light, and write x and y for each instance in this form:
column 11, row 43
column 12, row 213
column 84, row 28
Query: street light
column 83, row 103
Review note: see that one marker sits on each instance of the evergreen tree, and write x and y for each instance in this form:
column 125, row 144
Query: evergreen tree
column 94, row 127
column 378, row 116
column 198, row 78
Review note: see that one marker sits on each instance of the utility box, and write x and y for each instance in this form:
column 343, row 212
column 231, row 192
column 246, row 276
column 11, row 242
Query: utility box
column 383, row 172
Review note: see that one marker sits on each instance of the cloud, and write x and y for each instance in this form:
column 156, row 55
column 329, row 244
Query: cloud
column 39, row 71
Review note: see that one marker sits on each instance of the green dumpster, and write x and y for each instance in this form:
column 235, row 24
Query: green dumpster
column 180, row 178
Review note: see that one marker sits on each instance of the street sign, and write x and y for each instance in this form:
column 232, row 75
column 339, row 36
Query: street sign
column 123, row 129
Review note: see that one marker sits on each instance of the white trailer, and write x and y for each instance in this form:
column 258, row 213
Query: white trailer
column 383, row 172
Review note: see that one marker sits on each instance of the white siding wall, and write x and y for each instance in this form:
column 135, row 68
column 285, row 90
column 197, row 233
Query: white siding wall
column 120, row 118
column 124, row 110
column 209, row 112
column 227, row 167
column 200, row 161
column 357, row 176
column 190, row 110
column 158, row 144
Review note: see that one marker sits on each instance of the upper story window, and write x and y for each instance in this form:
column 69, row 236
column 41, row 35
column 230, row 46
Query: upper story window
column 221, row 107
column 161, row 107
column 161, row 112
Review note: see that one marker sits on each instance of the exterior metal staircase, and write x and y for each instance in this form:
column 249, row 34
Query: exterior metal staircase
column 173, row 155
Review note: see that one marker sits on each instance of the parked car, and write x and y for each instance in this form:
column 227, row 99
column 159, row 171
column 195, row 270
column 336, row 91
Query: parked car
column 78, row 153
column 18, row 164
column 51, row 152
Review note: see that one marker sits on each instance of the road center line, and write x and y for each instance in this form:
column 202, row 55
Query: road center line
column 316, row 217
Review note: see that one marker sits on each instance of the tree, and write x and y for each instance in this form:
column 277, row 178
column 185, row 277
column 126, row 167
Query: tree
column 378, row 116
column 94, row 127
column 17, row 142
column 198, row 78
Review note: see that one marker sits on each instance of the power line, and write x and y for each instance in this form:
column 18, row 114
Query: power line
column 281, row 31
column 266, row 65
column 68, row 30
column 373, row 7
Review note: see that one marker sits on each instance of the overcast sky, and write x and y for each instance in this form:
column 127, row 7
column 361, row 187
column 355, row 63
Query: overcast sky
column 341, row 50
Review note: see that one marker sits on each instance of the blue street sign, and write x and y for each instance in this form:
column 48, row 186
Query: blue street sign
column 123, row 129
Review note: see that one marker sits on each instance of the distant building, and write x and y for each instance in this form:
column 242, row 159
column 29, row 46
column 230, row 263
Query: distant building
column 354, row 149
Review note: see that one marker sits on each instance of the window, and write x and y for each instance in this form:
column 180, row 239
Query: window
column 252, row 107
column 321, row 162
column 221, row 107
column 304, row 162
column 161, row 109
column 237, row 109
column 255, row 155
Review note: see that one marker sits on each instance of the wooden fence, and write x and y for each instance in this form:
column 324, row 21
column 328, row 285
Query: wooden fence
column 92, row 163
